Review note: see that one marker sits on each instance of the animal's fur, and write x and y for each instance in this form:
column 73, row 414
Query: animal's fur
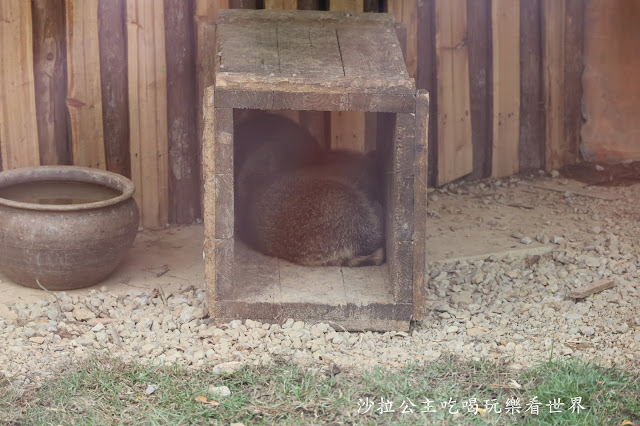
column 307, row 206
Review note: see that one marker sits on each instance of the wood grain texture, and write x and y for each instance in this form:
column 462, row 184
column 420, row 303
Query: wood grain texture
column 531, row 147
column 505, row 26
column 242, row 4
column 18, row 126
column 455, row 149
column 184, row 150
column 573, row 70
column 113, row 79
column 407, row 13
column 553, row 36
column 50, row 75
column 84, row 95
column 280, row 4
column 427, row 79
column 347, row 127
column 420, row 205
column 480, row 84
column 148, row 110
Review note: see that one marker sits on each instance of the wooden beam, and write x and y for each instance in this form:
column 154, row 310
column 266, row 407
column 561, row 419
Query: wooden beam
column 480, row 84
column 505, row 16
column 84, row 97
column 113, row 79
column 18, row 126
column 573, row 69
column 455, row 149
column 553, row 19
column 50, row 74
column 532, row 128
column 184, row 149
column 407, row 13
column 347, row 127
column 148, row 109
column 280, row 4
column 427, row 79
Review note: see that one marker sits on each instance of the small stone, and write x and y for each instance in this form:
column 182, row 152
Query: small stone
column 562, row 273
column 592, row 262
column 473, row 332
column 588, row 331
column 298, row 325
column 37, row 339
column 219, row 391
column 555, row 173
column 477, row 278
column 596, row 230
column 462, row 298
column 556, row 239
column 526, row 240
column 6, row 313
column 98, row 327
column 288, row 323
column 452, row 329
column 227, row 367
column 28, row 332
column 83, row 314
column 599, row 168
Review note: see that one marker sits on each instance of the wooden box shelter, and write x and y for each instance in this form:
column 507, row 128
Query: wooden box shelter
column 321, row 61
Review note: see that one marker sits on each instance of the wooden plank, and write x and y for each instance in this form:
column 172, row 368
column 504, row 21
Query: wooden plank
column 480, row 84
column 427, row 79
column 209, row 214
column 346, row 5
column 148, row 110
column 407, row 13
column 280, row 4
column 308, row 4
column 50, row 75
column 184, row 149
column 84, row 96
column 347, row 127
column 420, row 205
column 241, row 4
column 573, row 69
column 455, row 149
column 505, row 24
column 531, row 147
column 592, row 288
column 553, row 37
column 18, row 126
column 113, row 79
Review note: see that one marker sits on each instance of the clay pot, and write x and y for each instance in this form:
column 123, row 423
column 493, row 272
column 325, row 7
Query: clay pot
column 65, row 246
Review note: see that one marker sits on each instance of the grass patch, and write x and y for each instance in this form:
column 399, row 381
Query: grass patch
column 106, row 391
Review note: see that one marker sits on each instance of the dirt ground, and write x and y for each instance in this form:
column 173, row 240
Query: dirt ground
column 465, row 221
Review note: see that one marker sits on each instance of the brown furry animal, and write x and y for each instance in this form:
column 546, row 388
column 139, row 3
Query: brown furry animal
column 308, row 206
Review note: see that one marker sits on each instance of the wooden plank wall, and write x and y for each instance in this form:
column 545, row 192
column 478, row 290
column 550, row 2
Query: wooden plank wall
column 118, row 85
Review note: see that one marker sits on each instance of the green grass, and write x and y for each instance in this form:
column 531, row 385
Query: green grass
column 104, row 391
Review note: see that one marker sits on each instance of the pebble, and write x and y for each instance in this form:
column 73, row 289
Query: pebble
column 526, row 240
column 219, row 391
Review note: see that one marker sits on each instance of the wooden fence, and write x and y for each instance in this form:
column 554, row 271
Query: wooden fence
column 115, row 84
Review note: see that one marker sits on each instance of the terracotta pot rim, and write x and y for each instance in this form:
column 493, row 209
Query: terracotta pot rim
column 66, row 174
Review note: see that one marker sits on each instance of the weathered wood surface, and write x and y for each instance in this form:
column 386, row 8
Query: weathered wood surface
column 553, row 18
column 406, row 12
column 148, row 110
column 346, row 5
column 573, row 70
column 480, row 84
column 280, row 4
column 592, row 288
column 84, row 96
column 531, row 148
column 49, row 69
column 427, row 79
column 506, row 86
column 18, row 126
column 184, row 150
column 420, row 204
column 455, row 149
column 113, row 79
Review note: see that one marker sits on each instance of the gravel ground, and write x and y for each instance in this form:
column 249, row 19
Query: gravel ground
column 510, row 307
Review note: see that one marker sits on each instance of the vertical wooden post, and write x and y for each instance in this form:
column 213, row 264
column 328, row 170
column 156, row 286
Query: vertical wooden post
column 84, row 97
column 506, row 86
column 280, row 4
column 480, row 84
column 114, row 82
column 420, row 204
column 573, row 69
column 18, row 126
column 427, row 78
column 455, row 149
column 553, row 18
column 148, row 109
column 407, row 13
column 184, row 151
column 532, row 128
column 50, row 73
column 347, row 127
